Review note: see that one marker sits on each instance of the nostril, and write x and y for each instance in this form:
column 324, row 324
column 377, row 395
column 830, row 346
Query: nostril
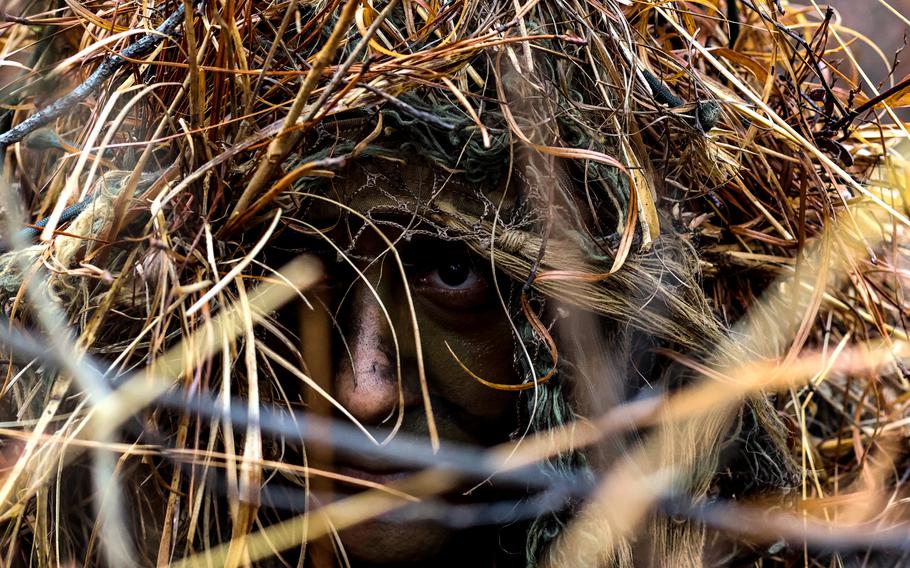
column 369, row 392
column 366, row 381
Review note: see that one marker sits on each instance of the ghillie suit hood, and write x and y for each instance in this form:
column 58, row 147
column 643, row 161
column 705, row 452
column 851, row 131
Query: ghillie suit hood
column 640, row 190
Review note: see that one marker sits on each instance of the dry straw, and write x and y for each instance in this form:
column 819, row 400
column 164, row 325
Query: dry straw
column 719, row 176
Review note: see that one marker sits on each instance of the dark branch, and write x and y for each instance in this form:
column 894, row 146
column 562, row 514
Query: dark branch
column 105, row 71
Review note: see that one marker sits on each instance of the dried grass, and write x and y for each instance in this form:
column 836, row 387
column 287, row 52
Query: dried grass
column 759, row 144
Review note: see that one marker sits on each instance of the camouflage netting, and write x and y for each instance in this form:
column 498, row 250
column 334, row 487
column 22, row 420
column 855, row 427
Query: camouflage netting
column 652, row 169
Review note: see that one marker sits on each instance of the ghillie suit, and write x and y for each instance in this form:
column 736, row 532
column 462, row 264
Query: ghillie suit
column 640, row 191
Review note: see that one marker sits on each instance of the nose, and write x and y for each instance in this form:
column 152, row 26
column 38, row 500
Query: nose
column 366, row 378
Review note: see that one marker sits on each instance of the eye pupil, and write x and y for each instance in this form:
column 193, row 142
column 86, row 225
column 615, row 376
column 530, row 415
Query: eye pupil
column 454, row 273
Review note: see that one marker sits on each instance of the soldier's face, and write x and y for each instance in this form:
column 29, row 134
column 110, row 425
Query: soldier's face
column 373, row 370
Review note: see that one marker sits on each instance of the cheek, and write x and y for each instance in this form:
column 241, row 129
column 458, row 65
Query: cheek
column 484, row 346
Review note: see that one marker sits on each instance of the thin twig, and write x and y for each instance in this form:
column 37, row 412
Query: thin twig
column 282, row 144
column 427, row 117
column 812, row 57
column 352, row 58
column 105, row 71
column 868, row 105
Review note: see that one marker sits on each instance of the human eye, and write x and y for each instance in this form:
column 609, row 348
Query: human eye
column 453, row 280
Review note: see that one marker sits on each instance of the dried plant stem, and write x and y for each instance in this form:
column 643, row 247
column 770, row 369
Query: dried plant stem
column 284, row 141
column 105, row 71
column 352, row 58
